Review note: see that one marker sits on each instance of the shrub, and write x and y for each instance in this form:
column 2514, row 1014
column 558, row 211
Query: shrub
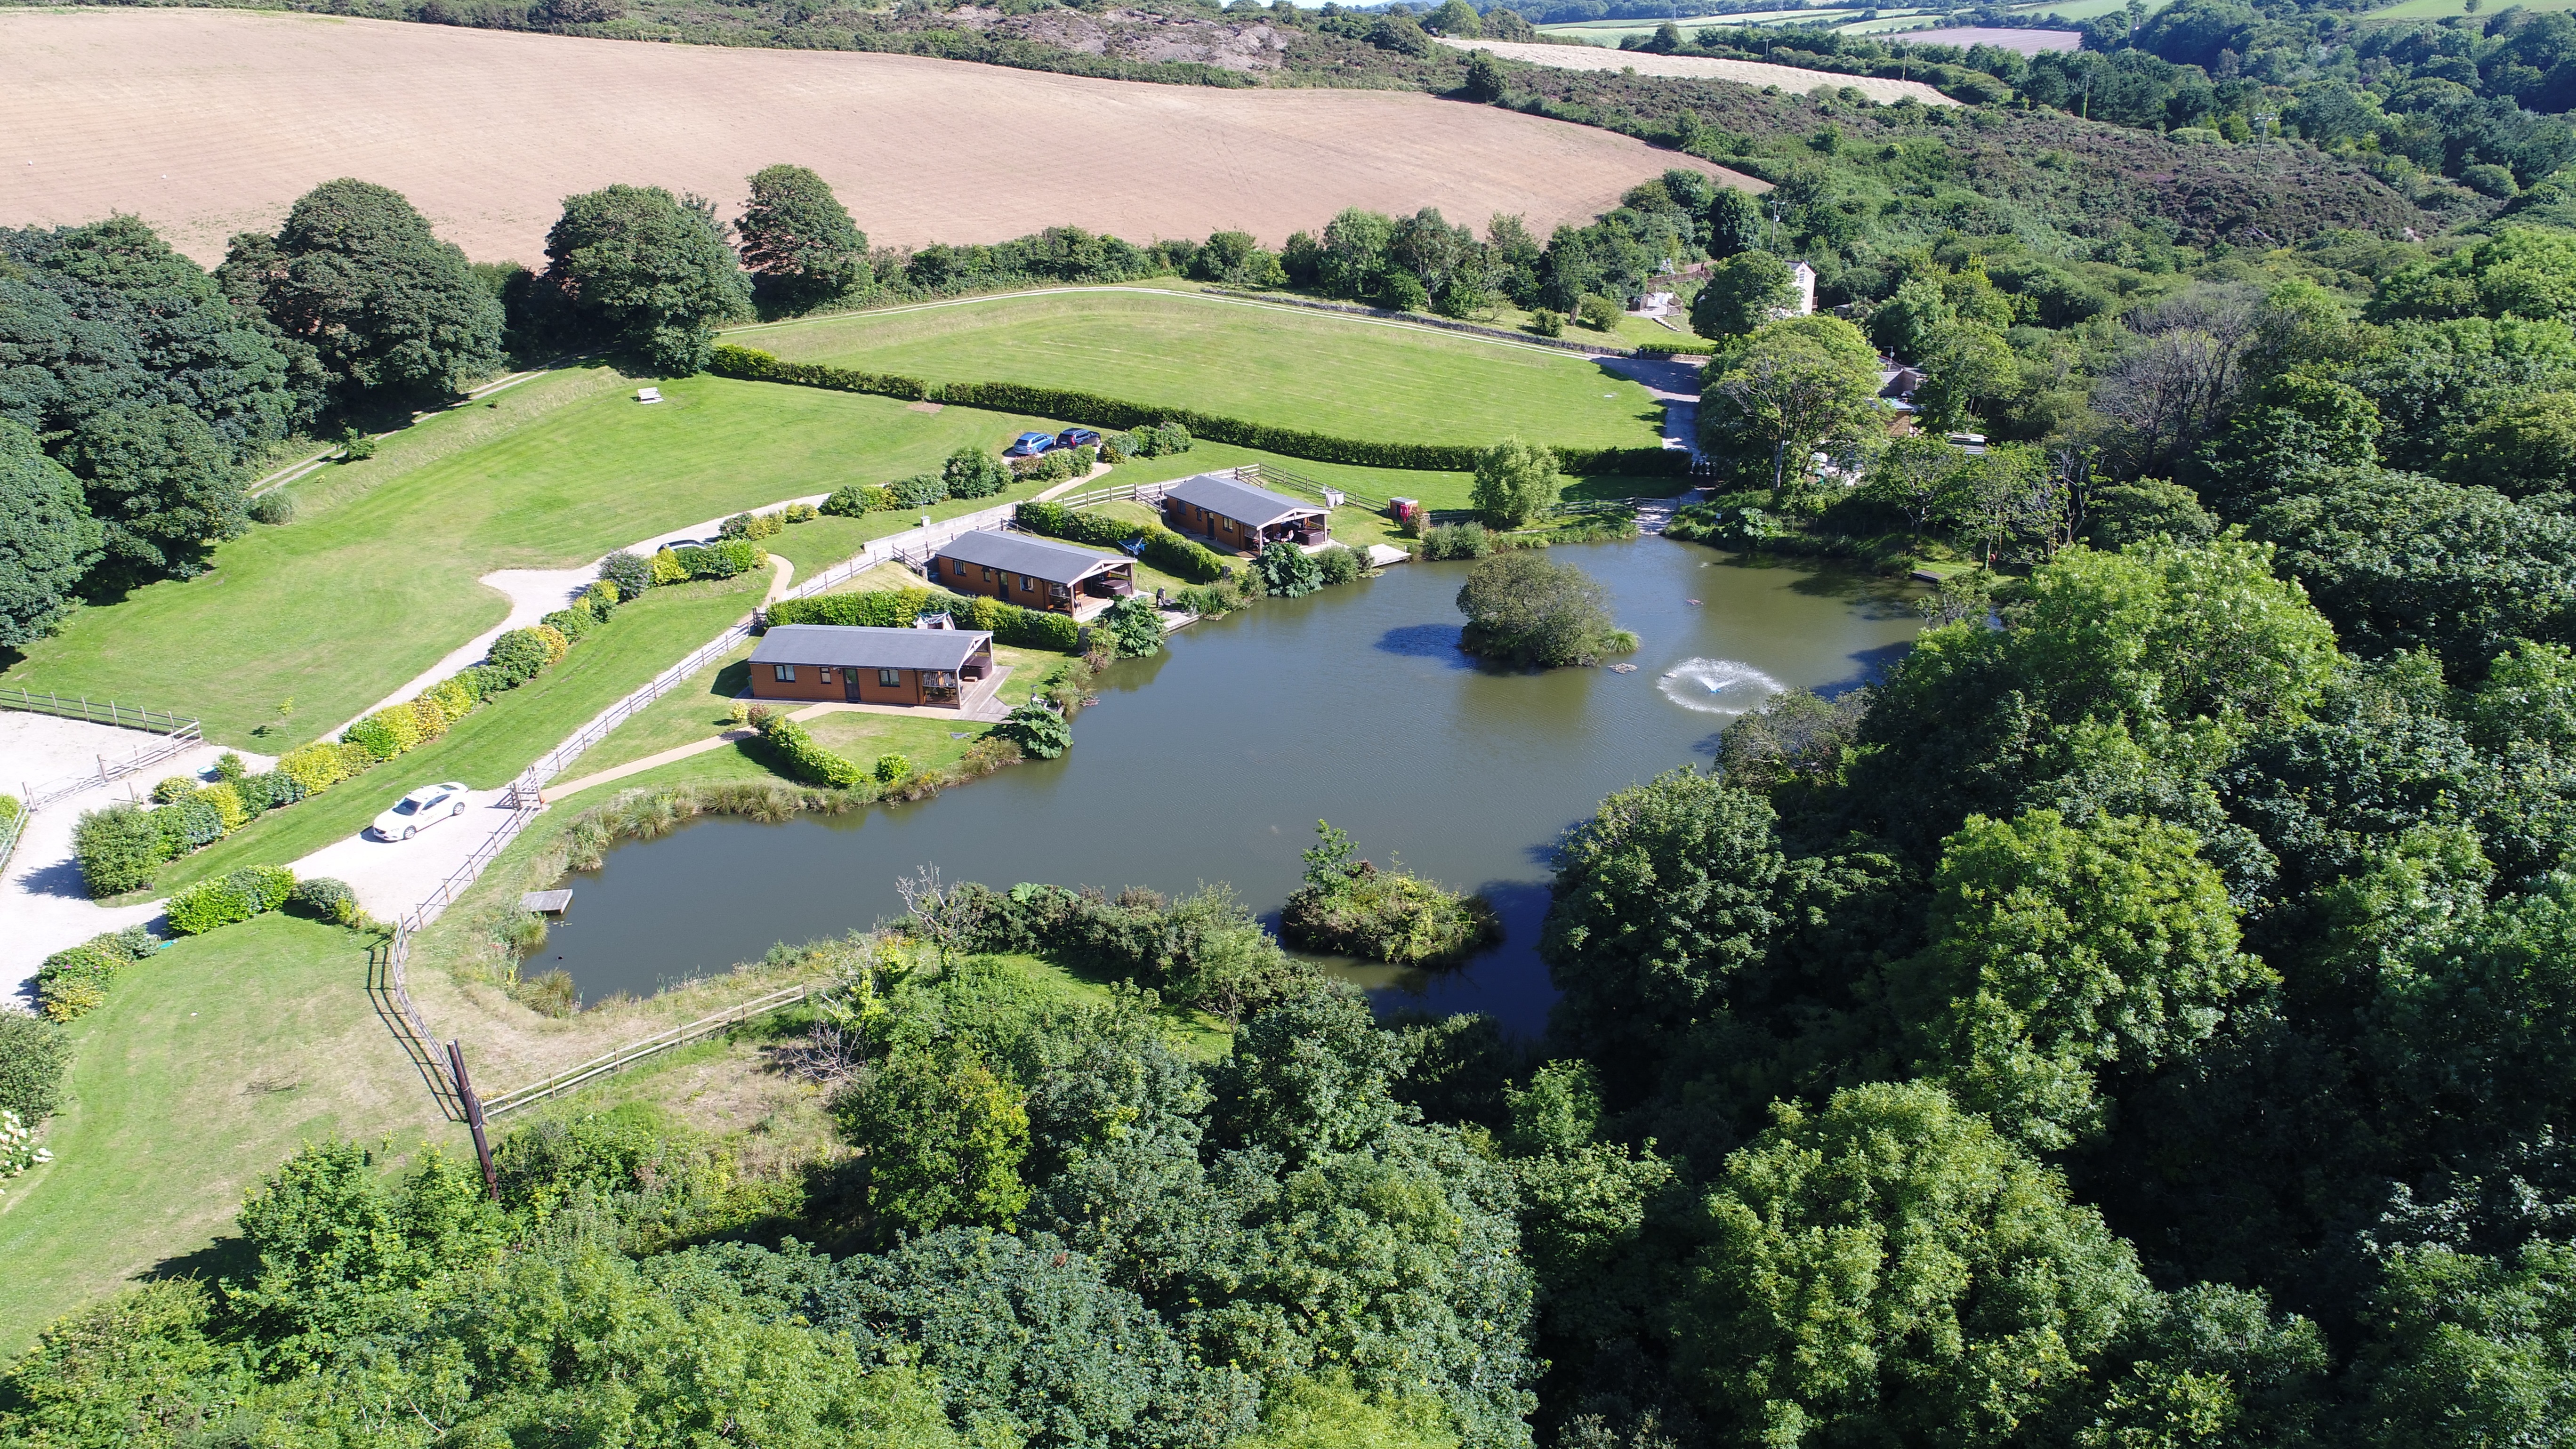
column 34, row 1055
column 805, row 759
column 754, row 365
column 631, row 572
column 324, row 899
column 72, row 983
column 1171, row 438
column 1085, row 458
column 974, row 473
column 521, row 654
column 229, row 766
column 227, row 803
column 667, row 568
column 574, row 624
column 1054, row 467
column 429, row 713
column 1523, row 609
column 1352, row 908
column 227, row 899
column 1118, row 447
column 1133, row 628
column 18, row 1149
column 10, row 809
column 892, row 769
column 314, row 768
column 1546, row 323
column 801, row 513
column 1203, row 600
column 117, row 848
column 1457, row 540
column 186, row 825
column 173, row 787
column 393, row 730
column 1287, row 571
column 753, row 525
column 601, row 598
column 1180, row 557
column 1340, row 565
column 275, row 508
column 71, row 998
column 723, row 560
column 1163, row 548
column 1598, row 313
column 1040, row 732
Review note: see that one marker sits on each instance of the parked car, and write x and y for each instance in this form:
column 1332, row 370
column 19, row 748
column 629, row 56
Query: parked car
column 425, row 806
column 1029, row 445
column 1077, row 438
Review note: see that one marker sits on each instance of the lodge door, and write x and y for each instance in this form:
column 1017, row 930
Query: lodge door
column 850, row 685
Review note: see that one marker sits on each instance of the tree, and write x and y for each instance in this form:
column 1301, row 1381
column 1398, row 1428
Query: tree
column 1735, row 222
column 164, row 483
column 1455, row 19
column 1660, row 901
column 34, row 1055
column 1354, row 258
column 2126, row 513
column 2057, row 949
column 1793, row 384
column 1889, row 1270
column 798, row 241
column 941, row 1139
column 2526, row 445
column 2515, row 273
column 1515, row 482
column 648, row 272
column 1742, row 293
column 2470, row 1350
column 1310, row 1078
column 2007, row 493
column 1913, row 477
column 1486, row 78
column 356, row 275
column 47, row 539
column 1522, row 609
column 1966, row 366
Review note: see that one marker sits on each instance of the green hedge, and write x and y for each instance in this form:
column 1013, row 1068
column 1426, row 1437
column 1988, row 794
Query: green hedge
column 1164, row 549
column 807, row 760
column 227, row 899
column 1109, row 412
column 753, row 365
column 898, row 608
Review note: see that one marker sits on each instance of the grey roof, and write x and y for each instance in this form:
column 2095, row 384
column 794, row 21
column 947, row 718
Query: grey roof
column 852, row 646
column 1239, row 501
column 1021, row 553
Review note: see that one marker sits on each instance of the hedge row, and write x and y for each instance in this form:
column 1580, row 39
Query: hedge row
column 806, row 759
column 898, row 608
column 119, row 847
column 1164, row 549
column 227, row 899
column 73, row 983
column 753, row 365
column 1108, row 412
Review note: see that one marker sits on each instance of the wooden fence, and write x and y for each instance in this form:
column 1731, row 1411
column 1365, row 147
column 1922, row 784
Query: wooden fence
column 178, row 736
column 636, row 1051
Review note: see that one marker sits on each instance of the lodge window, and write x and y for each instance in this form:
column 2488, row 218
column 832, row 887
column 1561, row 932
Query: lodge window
column 786, row 673
column 889, row 678
column 824, row 674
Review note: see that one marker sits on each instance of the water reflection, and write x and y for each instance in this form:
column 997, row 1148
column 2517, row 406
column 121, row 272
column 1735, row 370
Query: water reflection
column 1351, row 705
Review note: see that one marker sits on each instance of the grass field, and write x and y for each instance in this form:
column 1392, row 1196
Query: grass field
column 208, row 1065
column 1271, row 365
column 375, row 580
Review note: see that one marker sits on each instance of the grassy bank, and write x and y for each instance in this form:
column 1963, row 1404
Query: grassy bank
column 207, row 1066
column 1349, row 377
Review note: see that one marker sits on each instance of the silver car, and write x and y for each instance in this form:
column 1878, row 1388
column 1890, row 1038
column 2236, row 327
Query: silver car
column 425, row 806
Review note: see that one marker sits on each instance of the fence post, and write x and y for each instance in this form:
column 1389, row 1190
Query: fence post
column 473, row 1117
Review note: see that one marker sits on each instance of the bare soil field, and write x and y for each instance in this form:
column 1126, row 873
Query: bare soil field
column 1701, row 67
column 208, row 122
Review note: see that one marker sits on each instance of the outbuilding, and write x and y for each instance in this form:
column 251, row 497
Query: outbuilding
column 812, row 663
column 1232, row 514
column 1032, row 572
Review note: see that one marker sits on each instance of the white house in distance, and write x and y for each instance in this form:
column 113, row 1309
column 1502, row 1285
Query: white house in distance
column 1805, row 277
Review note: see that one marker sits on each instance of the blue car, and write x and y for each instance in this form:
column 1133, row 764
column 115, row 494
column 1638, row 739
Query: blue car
column 1077, row 438
column 1029, row 445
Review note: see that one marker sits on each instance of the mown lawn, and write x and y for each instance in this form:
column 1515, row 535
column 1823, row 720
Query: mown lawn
column 375, row 580
column 1349, row 377
column 208, row 1066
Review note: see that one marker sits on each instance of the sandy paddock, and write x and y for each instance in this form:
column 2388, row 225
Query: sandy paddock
column 207, row 122
column 1701, row 67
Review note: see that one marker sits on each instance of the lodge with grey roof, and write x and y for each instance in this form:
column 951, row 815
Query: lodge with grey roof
column 813, row 663
column 1032, row 572
column 1235, row 515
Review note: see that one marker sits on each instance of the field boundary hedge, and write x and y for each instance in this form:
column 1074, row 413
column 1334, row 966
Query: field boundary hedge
column 750, row 364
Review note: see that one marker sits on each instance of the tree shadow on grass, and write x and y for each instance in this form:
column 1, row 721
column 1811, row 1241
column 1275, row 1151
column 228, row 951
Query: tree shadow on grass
column 226, row 1257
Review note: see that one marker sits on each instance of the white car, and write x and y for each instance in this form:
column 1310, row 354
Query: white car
column 422, row 807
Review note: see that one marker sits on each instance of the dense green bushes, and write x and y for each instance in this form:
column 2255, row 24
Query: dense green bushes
column 1040, row 732
column 1351, row 908
column 228, row 899
column 1107, row 412
column 1203, row 950
column 752, row 365
column 325, row 899
column 807, row 760
column 34, row 1055
column 1163, row 548
column 720, row 560
column 73, row 982
column 897, row 609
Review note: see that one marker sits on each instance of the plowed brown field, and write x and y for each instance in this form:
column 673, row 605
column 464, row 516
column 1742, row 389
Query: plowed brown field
column 208, row 122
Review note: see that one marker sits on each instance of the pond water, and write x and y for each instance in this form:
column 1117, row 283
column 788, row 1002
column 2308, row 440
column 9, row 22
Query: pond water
column 1213, row 761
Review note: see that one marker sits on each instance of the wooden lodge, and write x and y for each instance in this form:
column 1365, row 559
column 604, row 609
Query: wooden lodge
column 1032, row 572
column 1233, row 515
column 812, row 663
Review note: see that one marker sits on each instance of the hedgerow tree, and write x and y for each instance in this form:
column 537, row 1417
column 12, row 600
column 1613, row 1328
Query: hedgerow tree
column 941, row 1138
column 1515, row 482
column 355, row 275
column 1743, row 292
column 648, row 272
column 798, row 241
column 47, row 539
column 145, row 381
column 1793, row 384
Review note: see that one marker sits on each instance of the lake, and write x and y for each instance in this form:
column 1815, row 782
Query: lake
column 1213, row 761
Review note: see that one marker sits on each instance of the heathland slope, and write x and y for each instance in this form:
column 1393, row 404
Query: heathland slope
column 208, row 122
